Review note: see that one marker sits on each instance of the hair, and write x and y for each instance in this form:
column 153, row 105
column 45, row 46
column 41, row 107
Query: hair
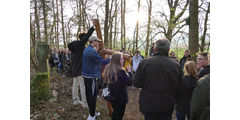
column 190, row 68
column 162, row 45
column 112, row 68
column 81, row 35
column 204, row 54
column 189, row 59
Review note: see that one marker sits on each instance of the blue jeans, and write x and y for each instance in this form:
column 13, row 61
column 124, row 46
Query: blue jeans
column 181, row 116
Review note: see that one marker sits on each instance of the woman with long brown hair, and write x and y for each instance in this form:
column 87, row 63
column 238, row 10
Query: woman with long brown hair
column 189, row 83
column 117, row 79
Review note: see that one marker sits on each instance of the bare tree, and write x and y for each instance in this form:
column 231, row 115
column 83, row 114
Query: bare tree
column 106, row 23
column 33, row 41
column 115, row 25
column 193, row 28
column 136, row 42
column 45, row 20
column 122, row 24
column 57, row 20
column 148, row 26
column 37, row 20
column 203, row 37
column 63, row 31
column 173, row 21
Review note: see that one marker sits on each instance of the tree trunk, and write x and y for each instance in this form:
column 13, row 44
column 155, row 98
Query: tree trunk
column 106, row 24
column 173, row 20
column 45, row 21
column 83, row 15
column 53, row 25
column 78, row 2
column 57, row 31
column 136, row 42
column 63, row 32
column 37, row 21
column 115, row 27
column 148, row 26
column 205, row 30
column 122, row 24
column 33, row 48
column 193, row 28
column 110, row 36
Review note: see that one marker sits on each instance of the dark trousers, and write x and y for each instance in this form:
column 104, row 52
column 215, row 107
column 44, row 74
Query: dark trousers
column 181, row 116
column 153, row 117
column 91, row 99
column 118, row 111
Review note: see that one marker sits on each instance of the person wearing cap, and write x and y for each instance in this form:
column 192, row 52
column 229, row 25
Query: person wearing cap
column 76, row 48
column 91, row 71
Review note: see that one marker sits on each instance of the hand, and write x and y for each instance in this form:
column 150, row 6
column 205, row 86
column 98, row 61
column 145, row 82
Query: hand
column 96, row 48
column 107, row 56
column 94, row 22
column 128, row 68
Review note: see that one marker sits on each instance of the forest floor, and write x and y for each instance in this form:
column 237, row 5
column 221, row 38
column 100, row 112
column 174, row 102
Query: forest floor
column 63, row 109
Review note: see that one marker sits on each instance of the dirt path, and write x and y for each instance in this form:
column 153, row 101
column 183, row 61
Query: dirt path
column 62, row 109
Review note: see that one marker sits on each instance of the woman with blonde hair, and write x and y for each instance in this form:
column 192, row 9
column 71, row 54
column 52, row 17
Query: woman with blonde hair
column 189, row 83
column 117, row 79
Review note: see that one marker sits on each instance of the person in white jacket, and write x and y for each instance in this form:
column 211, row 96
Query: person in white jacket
column 136, row 60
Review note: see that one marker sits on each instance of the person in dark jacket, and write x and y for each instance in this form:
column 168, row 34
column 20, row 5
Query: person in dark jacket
column 77, row 47
column 203, row 64
column 160, row 79
column 65, row 62
column 51, row 62
column 118, row 80
column 184, row 58
column 200, row 102
column 189, row 83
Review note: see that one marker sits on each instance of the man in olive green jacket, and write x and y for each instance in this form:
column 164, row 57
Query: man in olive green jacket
column 200, row 102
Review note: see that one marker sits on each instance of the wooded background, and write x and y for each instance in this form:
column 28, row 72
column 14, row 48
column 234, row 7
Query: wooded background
column 186, row 23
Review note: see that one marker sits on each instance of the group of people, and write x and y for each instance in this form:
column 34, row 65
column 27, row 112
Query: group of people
column 168, row 85
column 165, row 84
column 61, row 60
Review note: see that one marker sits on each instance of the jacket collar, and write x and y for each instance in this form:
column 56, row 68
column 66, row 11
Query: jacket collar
column 161, row 54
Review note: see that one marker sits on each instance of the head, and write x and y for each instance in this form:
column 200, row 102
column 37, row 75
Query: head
column 56, row 50
column 186, row 53
column 65, row 51
column 190, row 68
column 82, row 35
column 94, row 41
column 137, row 53
column 111, row 69
column 162, row 46
column 52, row 49
column 172, row 54
column 202, row 59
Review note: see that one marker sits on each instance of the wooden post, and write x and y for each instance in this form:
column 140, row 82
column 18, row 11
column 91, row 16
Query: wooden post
column 99, row 35
column 105, row 51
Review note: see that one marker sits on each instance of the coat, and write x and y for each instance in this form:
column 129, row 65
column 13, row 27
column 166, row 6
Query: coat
column 200, row 102
column 160, row 79
column 118, row 89
column 189, row 83
column 92, row 63
column 76, row 48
